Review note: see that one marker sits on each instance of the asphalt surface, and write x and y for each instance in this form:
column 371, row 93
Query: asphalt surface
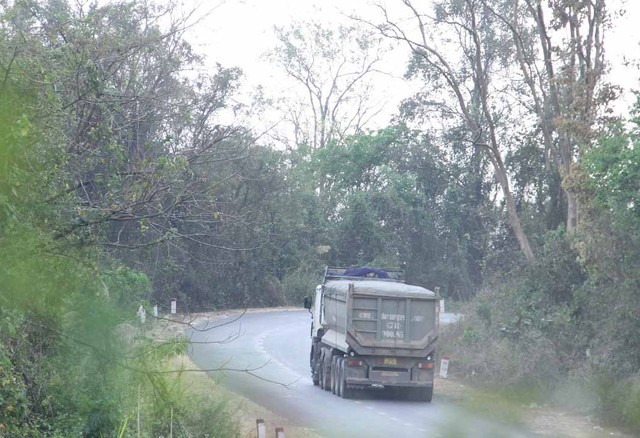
column 275, row 345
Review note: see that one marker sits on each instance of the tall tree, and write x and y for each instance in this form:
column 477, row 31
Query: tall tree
column 461, row 57
column 333, row 68
column 561, row 61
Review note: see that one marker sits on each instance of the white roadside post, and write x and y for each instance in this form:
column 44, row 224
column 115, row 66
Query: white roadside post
column 142, row 314
column 279, row 432
column 437, row 291
column 444, row 366
column 174, row 306
column 262, row 433
column 155, row 310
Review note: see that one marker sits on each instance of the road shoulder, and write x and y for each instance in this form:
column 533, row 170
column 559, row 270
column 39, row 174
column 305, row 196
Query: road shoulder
column 200, row 384
column 545, row 421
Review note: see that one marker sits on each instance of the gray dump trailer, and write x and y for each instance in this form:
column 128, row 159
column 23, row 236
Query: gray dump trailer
column 371, row 330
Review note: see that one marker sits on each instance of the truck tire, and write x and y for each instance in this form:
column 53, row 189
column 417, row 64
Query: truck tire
column 321, row 370
column 314, row 369
column 315, row 376
column 428, row 395
column 423, row 394
column 325, row 364
column 320, row 376
column 333, row 374
column 339, row 372
column 345, row 392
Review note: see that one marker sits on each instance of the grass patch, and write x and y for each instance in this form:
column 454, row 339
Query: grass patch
column 241, row 412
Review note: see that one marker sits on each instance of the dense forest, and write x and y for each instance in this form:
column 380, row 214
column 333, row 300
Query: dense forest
column 130, row 174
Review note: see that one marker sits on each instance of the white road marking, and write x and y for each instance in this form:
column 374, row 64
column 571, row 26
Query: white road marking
column 261, row 348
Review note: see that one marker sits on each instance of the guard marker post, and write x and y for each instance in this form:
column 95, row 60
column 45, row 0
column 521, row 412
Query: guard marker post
column 279, row 432
column 174, row 306
column 444, row 366
column 262, row 433
column 142, row 314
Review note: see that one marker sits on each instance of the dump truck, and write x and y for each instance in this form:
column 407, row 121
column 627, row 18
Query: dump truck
column 371, row 330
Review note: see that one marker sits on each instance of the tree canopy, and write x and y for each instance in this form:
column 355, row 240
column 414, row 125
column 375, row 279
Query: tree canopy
column 504, row 180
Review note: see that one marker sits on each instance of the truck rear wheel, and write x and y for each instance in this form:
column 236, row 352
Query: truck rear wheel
column 325, row 366
column 321, row 376
column 339, row 374
column 422, row 394
column 345, row 392
column 321, row 371
column 334, row 376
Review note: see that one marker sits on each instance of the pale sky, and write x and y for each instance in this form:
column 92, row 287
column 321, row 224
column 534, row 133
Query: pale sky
column 239, row 32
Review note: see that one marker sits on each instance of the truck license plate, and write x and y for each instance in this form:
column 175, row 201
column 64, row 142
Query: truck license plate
column 390, row 361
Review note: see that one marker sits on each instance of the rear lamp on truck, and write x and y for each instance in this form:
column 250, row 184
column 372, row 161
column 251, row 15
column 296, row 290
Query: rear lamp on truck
column 352, row 362
column 425, row 365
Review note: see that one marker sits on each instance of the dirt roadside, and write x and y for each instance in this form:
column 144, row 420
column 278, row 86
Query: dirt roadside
column 244, row 412
column 545, row 421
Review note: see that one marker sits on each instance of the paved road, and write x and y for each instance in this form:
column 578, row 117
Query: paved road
column 280, row 341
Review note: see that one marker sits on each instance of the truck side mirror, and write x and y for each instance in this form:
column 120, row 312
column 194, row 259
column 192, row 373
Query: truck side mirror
column 307, row 302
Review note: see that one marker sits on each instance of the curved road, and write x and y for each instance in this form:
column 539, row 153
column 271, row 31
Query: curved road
column 278, row 344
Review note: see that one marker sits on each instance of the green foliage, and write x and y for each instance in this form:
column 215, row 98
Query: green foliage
column 391, row 198
column 120, row 185
column 126, row 286
column 613, row 177
column 69, row 170
column 522, row 331
column 301, row 283
column 618, row 399
column 13, row 391
column 609, row 249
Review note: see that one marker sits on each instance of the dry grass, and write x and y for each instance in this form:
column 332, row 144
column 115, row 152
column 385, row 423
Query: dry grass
column 244, row 412
column 542, row 420
column 203, row 386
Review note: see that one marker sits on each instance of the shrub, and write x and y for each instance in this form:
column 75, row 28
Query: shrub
column 300, row 283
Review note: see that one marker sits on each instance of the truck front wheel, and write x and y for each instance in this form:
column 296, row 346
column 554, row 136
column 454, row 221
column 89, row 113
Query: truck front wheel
column 315, row 369
column 311, row 357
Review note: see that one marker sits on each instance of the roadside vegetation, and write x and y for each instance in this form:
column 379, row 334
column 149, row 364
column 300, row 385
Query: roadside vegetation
column 131, row 172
